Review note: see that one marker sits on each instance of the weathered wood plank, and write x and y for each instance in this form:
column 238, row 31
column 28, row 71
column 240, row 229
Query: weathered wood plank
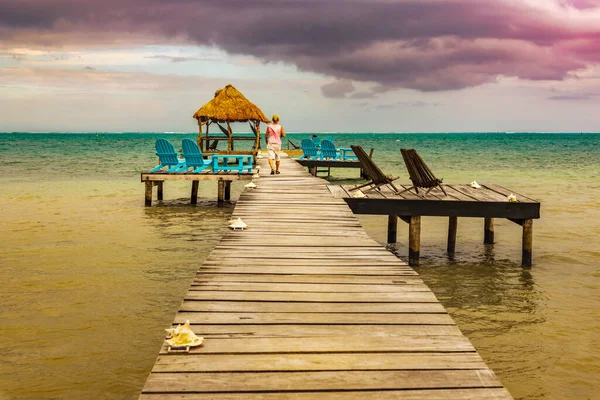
column 441, row 394
column 326, row 380
column 317, row 362
column 285, row 307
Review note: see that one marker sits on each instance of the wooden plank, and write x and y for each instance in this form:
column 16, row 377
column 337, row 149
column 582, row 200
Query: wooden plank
column 317, row 362
column 312, row 318
column 322, row 330
column 299, row 307
column 323, row 380
column 446, row 394
column 410, row 297
column 332, row 344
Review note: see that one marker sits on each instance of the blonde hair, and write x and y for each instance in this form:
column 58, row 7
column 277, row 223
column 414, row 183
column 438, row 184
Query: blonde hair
column 275, row 118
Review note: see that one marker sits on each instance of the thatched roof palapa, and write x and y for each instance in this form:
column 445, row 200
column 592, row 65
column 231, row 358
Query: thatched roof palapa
column 230, row 105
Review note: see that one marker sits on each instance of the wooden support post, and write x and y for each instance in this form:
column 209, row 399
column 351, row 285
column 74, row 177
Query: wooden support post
column 159, row 190
column 414, row 240
column 312, row 171
column 488, row 231
column 452, row 226
column 230, row 138
column 220, row 192
column 148, row 194
column 526, row 260
column 227, row 190
column 392, row 229
column 199, row 141
column 194, row 196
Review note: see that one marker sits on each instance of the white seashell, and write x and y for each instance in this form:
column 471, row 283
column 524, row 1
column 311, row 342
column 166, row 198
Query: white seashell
column 238, row 225
column 256, row 176
column 173, row 331
column 251, row 185
column 184, row 336
column 512, row 198
column 258, row 167
column 359, row 194
column 259, row 156
column 475, row 185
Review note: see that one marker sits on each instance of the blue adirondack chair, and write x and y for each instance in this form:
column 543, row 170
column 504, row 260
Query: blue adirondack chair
column 309, row 149
column 330, row 138
column 328, row 150
column 193, row 157
column 167, row 156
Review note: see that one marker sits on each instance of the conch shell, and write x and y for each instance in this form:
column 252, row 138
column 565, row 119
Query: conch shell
column 183, row 336
column 256, row 176
column 251, row 185
column 512, row 198
column 359, row 194
column 238, row 225
column 258, row 167
column 475, row 185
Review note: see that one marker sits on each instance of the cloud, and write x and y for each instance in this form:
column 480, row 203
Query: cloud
column 173, row 59
column 337, row 89
column 428, row 45
column 572, row 97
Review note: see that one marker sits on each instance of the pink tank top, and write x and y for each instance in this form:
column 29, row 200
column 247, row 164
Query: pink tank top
column 274, row 134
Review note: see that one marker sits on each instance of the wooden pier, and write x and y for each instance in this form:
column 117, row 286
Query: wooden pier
column 488, row 202
column 304, row 305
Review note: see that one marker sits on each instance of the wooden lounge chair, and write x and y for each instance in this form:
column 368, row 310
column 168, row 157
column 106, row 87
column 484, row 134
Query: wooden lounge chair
column 309, row 149
column 377, row 177
column 167, row 156
column 328, row 150
column 193, row 157
column 420, row 174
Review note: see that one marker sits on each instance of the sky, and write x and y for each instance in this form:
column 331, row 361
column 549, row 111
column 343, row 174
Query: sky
column 323, row 66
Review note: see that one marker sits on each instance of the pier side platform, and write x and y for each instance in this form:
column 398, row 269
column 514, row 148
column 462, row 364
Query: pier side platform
column 303, row 304
column 488, row 202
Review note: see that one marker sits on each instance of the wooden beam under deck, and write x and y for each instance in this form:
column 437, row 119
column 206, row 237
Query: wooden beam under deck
column 303, row 304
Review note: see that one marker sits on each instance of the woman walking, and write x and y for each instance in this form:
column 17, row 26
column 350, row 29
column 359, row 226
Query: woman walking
column 273, row 137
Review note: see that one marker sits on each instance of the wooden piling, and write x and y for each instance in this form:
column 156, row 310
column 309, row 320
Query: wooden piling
column 526, row 260
column 452, row 227
column 313, row 171
column 392, row 229
column 227, row 190
column 488, row 231
column 220, row 192
column 414, row 240
column 148, row 194
column 194, row 196
column 159, row 190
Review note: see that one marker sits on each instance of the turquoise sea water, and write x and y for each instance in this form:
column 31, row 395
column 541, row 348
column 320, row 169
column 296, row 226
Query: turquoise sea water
column 90, row 277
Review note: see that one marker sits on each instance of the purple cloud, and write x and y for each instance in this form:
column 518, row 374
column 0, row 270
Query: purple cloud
column 428, row 45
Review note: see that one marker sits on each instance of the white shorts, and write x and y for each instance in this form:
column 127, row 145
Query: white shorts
column 274, row 150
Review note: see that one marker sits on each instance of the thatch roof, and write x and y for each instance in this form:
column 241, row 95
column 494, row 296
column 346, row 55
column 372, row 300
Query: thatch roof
column 229, row 104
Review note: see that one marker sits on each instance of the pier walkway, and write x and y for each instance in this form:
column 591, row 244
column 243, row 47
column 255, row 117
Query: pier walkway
column 304, row 305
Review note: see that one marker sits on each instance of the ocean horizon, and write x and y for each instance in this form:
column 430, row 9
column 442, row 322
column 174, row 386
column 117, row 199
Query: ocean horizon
column 92, row 277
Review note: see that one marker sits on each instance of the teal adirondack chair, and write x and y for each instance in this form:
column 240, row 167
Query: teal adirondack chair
column 328, row 150
column 167, row 156
column 193, row 157
column 309, row 149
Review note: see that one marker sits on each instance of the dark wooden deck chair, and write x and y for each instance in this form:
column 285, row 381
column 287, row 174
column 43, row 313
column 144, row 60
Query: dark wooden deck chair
column 377, row 177
column 420, row 174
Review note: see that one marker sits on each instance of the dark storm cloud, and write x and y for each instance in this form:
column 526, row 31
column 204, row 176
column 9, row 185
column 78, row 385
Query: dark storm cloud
column 429, row 45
